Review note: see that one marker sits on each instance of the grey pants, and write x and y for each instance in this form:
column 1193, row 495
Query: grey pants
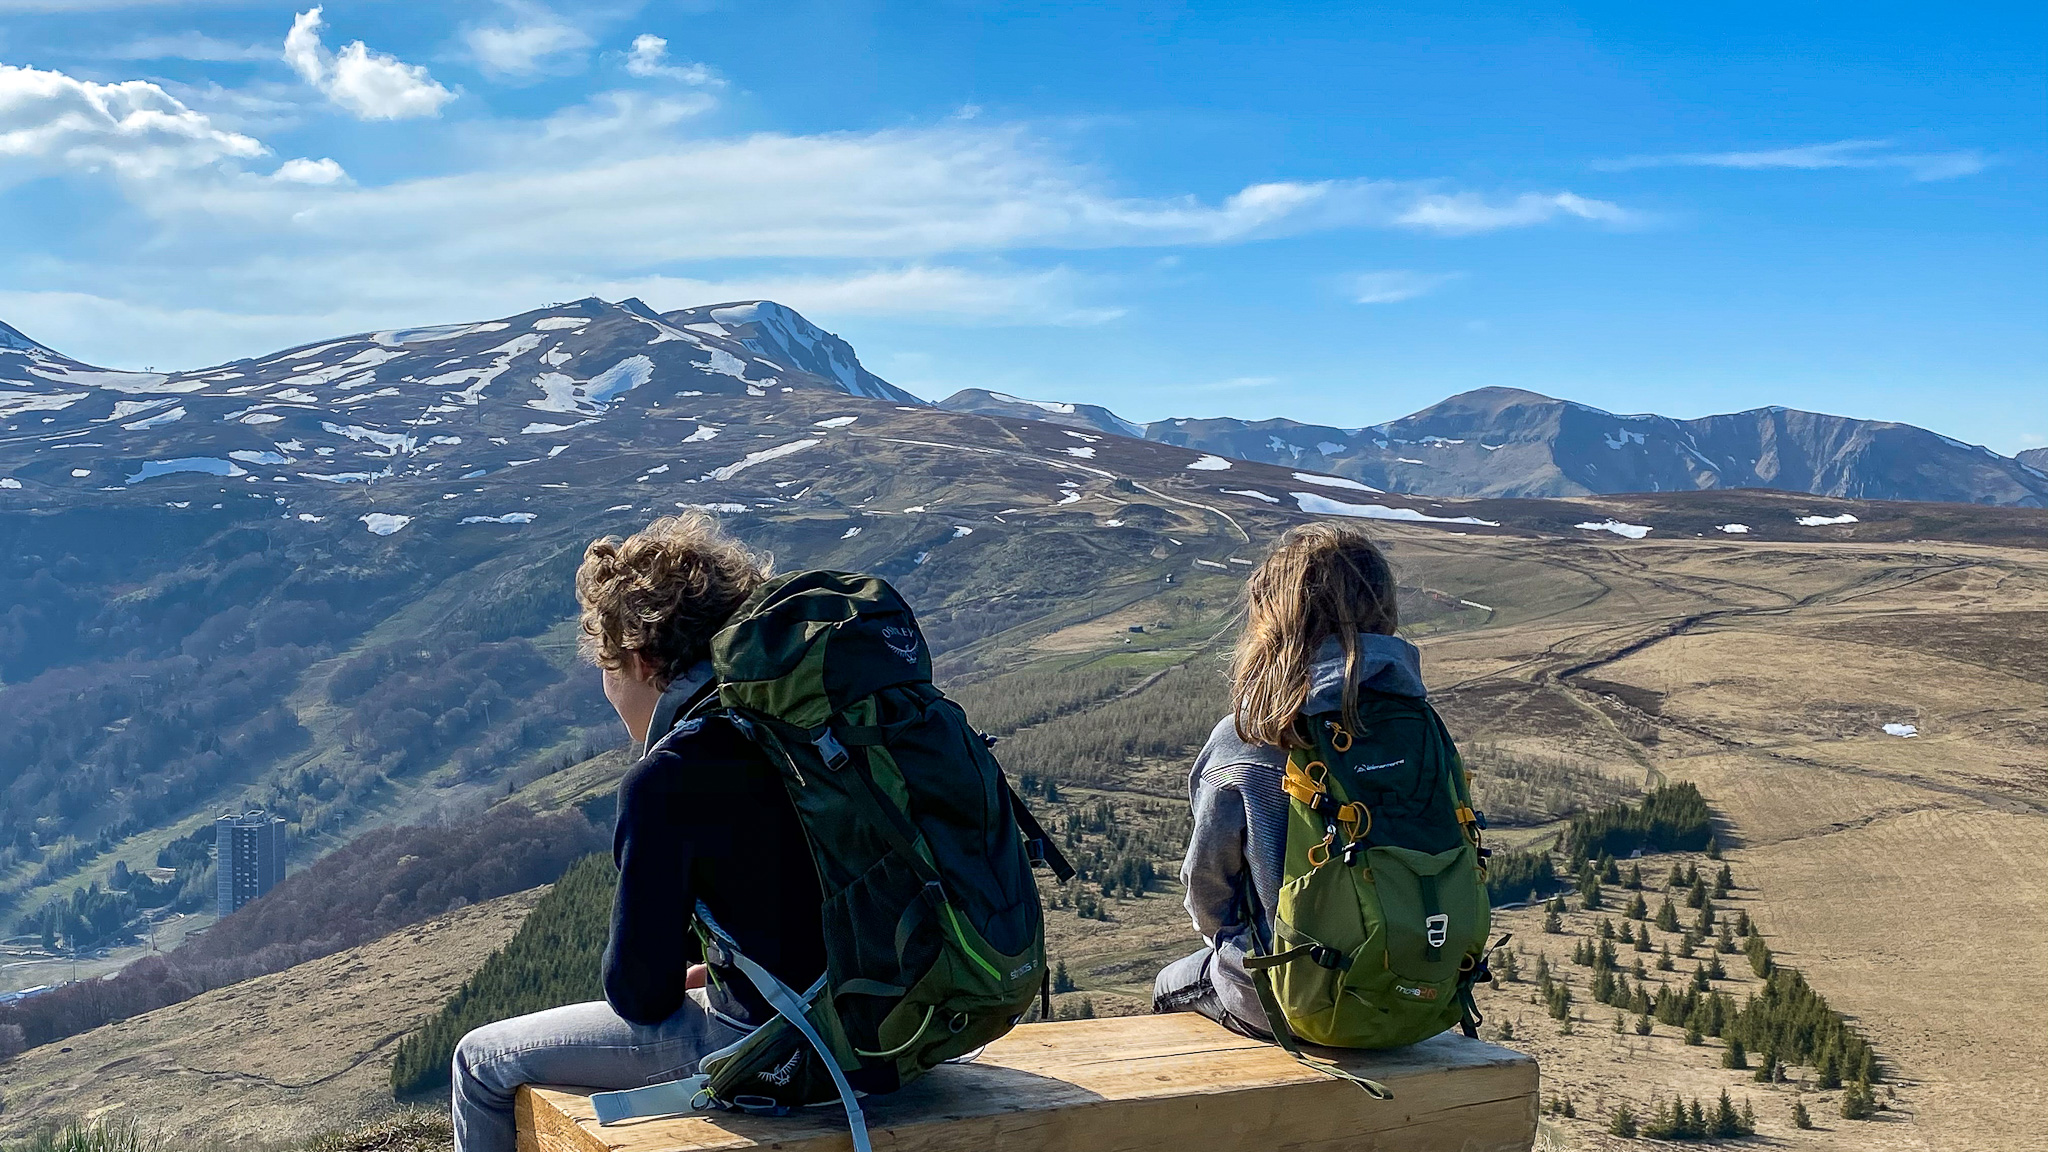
column 586, row 1045
column 1189, row 985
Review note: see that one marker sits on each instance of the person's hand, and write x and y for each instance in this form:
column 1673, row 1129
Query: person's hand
column 695, row 977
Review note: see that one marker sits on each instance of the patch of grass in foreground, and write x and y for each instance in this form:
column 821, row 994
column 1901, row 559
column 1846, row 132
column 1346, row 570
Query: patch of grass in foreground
column 409, row 1130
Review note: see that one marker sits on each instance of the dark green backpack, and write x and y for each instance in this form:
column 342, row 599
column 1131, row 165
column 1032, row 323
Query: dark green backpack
column 933, row 939
column 1381, row 927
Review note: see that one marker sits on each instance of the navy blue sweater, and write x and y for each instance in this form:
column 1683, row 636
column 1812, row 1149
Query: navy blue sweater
column 703, row 816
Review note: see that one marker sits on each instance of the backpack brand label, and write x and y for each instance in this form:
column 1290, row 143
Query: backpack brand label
column 1023, row 968
column 783, row 1073
column 902, row 641
column 1415, row 991
column 1377, row 767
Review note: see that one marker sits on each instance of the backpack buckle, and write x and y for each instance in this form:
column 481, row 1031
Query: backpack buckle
column 1327, row 957
column 829, row 749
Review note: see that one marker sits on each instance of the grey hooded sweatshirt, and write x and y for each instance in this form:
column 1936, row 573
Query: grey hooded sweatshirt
column 1241, row 815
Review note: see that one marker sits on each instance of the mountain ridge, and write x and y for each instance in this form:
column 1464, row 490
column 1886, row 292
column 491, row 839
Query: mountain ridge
column 1514, row 443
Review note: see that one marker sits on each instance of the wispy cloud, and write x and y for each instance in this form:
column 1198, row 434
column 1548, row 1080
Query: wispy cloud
column 649, row 58
column 189, row 45
column 530, row 41
column 1393, row 286
column 1811, row 157
column 370, row 85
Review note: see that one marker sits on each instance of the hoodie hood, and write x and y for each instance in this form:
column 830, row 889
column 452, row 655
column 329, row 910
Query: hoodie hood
column 1385, row 664
column 675, row 700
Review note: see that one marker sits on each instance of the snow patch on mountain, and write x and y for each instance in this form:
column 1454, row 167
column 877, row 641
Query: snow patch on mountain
column 1324, row 506
column 210, row 465
column 728, row 471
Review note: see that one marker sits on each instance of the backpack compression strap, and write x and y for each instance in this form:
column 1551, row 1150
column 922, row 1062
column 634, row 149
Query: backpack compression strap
column 688, row 1095
column 1258, row 965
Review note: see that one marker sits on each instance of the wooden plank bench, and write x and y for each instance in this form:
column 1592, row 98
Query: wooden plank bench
column 1128, row 1084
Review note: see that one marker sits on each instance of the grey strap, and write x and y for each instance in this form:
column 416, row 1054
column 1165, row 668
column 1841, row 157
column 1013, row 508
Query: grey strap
column 654, row 1100
column 791, row 1008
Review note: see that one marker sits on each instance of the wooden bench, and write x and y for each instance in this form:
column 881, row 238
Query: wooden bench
column 1129, row 1084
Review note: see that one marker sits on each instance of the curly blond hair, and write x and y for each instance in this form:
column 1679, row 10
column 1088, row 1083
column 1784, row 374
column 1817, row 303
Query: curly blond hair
column 663, row 592
column 1320, row 580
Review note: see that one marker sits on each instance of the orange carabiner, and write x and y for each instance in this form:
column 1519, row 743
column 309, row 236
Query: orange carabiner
column 1340, row 737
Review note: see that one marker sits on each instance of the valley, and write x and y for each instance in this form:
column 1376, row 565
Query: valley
column 1855, row 685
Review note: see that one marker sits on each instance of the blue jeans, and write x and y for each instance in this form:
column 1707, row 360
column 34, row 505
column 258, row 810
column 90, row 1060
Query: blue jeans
column 586, row 1045
column 1189, row 985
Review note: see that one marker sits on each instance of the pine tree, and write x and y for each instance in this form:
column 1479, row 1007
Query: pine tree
column 1742, row 924
column 1664, row 960
column 1858, row 1103
column 1061, row 982
column 1508, row 969
column 1713, row 847
column 1624, row 1123
column 1760, row 961
column 1677, row 877
column 1634, row 880
column 1643, row 1024
column 1800, row 1117
column 1606, row 928
column 1685, row 946
column 1703, row 924
column 1643, row 941
column 1727, row 1125
column 1715, row 970
column 1609, row 873
column 1735, row 1057
column 1747, row 1124
column 1693, row 1036
column 1552, row 923
column 1627, row 935
column 1667, row 917
column 1692, row 875
column 1638, row 908
column 1767, row 1068
column 1828, row 1069
column 1724, row 882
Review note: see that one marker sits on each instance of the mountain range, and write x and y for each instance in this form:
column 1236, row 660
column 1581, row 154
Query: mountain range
column 1506, row 442
column 378, row 404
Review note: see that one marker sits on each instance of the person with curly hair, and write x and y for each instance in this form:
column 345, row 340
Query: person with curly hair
column 701, row 817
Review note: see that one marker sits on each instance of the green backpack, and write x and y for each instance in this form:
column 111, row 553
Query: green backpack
column 1380, row 932
column 934, row 943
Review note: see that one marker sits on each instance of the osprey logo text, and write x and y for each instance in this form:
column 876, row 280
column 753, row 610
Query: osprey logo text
column 783, row 1073
column 1416, row 991
column 1439, row 927
column 1021, row 969
column 901, row 641
column 1377, row 767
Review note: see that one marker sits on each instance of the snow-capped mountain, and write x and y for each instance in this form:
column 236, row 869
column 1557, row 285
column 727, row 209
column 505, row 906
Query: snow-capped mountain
column 1092, row 417
column 1505, row 442
column 2035, row 458
column 466, row 399
column 781, row 335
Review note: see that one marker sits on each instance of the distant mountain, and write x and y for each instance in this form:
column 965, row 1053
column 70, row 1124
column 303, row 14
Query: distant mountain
column 2035, row 458
column 1504, row 442
column 778, row 333
column 471, row 398
column 1093, row 417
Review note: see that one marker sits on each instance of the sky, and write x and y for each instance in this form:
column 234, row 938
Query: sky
column 1335, row 213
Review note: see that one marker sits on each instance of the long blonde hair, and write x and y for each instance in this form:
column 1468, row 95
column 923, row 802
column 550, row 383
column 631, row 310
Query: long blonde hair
column 1321, row 580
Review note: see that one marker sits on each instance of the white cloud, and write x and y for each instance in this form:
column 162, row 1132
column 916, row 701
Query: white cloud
column 188, row 45
column 304, row 171
column 534, row 41
column 1810, row 157
column 370, row 85
column 649, row 58
column 51, row 121
column 1462, row 212
column 1393, row 286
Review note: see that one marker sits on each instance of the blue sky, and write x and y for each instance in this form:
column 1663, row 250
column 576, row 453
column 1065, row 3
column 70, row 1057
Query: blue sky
column 1337, row 213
